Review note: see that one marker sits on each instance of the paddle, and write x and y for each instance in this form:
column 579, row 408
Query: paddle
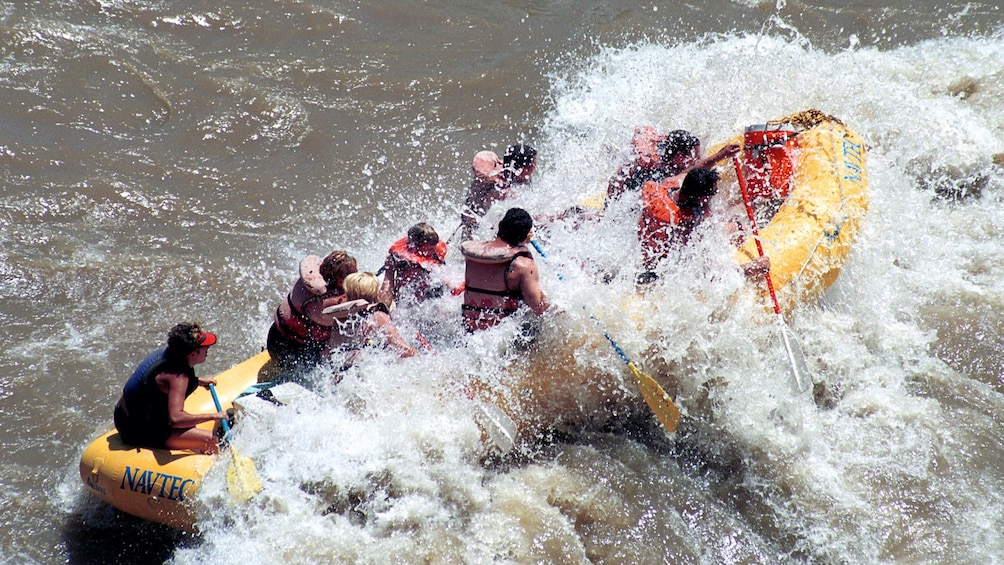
column 656, row 398
column 242, row 477
column 792, row 347
column 499, row 426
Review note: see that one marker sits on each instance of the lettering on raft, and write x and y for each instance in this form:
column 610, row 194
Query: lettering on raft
column 171, row 487
column 853, row 160
column 90, row 482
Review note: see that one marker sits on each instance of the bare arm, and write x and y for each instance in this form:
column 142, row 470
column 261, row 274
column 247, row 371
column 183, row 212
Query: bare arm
column 529, row 284
column 386, row 293
column 315, row 309
column 176, row 385
column 385, row 326
column 725, row 152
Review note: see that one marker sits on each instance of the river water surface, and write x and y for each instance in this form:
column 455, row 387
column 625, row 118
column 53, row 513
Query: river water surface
column 164, row 161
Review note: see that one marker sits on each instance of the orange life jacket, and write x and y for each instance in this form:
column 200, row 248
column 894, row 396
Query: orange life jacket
column 662, row 221
column 487, row 298
column 412, row 269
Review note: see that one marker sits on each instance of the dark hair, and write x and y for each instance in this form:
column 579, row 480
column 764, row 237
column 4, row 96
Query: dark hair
column 183, row 339
column 336, row 266
column 519, row 156
column 697, row 184
column 421, row 233
column 678, row 142
column 515, row 226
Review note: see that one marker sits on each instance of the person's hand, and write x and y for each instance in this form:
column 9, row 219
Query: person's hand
column 756, row 267
column 206, row 382
column 729, row 150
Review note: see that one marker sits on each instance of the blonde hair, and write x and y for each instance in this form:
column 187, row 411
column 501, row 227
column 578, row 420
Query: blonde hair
column 361, row 285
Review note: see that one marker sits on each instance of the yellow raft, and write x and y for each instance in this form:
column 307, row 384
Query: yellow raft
column 809, row 238
column 159, row 484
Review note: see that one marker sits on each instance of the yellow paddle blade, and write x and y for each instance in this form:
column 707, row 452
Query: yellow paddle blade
column 657, row 399
column 242, row 478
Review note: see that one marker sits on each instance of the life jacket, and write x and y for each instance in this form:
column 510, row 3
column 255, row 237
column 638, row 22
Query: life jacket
column 413, row 269
column 487, row 297
column 348, row 332
column 769, row 152
column 290, row 316
column 143, row 407
column 662, row 221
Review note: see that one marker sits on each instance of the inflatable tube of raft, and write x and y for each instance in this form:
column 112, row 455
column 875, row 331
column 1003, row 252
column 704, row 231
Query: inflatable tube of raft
column 159, row 484
column 809, row 238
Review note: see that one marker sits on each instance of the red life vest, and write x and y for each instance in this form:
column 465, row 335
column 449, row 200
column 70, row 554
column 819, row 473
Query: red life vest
column 769, row 152
column 412, row 269
column 662, row 221
column 290, row 316
column 487, row 298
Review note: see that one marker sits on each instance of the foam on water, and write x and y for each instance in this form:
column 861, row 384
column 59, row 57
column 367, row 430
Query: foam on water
column 896, row 457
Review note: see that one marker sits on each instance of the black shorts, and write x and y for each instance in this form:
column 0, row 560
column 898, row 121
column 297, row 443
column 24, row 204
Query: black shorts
column 140, row 433
column 289, row 354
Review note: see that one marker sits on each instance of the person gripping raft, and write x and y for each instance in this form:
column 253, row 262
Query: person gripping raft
column 301, row 328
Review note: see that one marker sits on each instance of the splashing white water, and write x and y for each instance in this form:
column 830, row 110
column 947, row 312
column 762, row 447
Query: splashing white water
column 884, row 466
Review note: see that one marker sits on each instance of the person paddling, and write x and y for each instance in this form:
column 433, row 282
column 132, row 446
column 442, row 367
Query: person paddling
column 151, row 412
column 501, row 275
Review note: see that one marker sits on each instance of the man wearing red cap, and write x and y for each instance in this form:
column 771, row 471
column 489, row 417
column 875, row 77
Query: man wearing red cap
column 151, row 411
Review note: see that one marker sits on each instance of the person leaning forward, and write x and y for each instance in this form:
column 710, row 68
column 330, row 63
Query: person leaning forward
column 151, row 412
column 364, row 320
column 301, row 329
column 501, row 275
column 410, row 264
column 671, row 211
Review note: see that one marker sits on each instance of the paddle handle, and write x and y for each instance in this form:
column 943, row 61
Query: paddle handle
column 219, row 408
column 616, row 347
column 543, row 255
column 756, row 232
column 539, row 249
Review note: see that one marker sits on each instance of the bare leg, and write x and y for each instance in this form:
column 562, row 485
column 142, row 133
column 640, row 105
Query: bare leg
column 195, row 439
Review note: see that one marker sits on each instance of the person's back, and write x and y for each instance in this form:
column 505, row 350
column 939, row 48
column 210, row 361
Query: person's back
column 300, row 327
column 408, row 269
column 500, row 274
column 365, row 321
